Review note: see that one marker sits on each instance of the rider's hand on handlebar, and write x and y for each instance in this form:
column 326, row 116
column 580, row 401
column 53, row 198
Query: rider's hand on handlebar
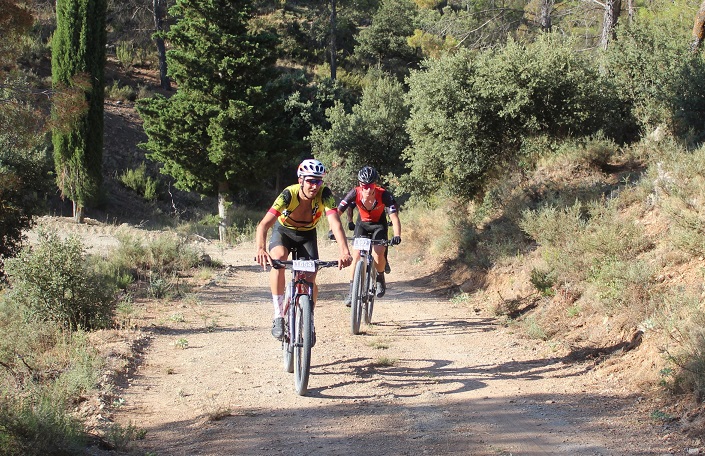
column 262, row 258
column 351, row 226
column 396, row 240
column 344, row 261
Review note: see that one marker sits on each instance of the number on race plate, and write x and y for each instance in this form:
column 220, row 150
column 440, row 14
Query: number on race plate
column 360, row 243
column 304, row 265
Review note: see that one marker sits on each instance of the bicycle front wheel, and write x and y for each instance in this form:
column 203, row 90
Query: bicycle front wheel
column 302, row 347
column 371, row 291
column 288, row 343
column 358, row 294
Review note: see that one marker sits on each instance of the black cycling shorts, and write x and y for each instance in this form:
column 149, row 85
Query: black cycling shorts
column 304, row 242
column 374, row 230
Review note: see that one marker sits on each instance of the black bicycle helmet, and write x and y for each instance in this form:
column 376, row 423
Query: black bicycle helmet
column 367, row 175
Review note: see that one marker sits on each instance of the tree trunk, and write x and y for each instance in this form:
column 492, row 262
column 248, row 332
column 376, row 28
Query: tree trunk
column 698, row 28
column 612, row 9
column 79, row 213
column 545, row 15
column 158, row 12
column 333, row 46
column 225, row 203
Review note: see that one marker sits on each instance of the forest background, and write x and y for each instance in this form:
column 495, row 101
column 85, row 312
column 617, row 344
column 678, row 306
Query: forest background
column 564, row 135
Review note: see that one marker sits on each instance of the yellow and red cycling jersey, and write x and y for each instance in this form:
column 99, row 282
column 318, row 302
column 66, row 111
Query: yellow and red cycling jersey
column 288, row 200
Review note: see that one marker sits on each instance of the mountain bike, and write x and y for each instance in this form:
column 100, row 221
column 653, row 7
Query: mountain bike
column 299, row 333
column 364, row 286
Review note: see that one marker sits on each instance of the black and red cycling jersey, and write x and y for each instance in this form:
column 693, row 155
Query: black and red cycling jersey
column 383, row 200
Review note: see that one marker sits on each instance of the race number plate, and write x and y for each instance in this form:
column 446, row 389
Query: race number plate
column 361, row 243
column 304, row 265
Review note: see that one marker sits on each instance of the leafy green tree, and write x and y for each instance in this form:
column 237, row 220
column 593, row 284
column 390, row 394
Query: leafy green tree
column 472, row 114
column 78, row 60
column 212, row 135
column 658, row 76
column 477, row 24
column 385, row 40
column 372, row 134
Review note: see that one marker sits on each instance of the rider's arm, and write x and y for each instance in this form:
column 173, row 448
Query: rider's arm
column 263, row 227
column 391, row 208
column 347, row 203
column 396, row 223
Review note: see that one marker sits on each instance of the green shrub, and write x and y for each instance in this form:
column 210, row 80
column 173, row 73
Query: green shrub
column 126, row 54
column 622, row 283
column 121, row 437
column 25, row 171
column 589, row 244
column 543, row 281
column 138, row 181
column 37, row 426
column 679, row 186
column 45, row 370
column 681, row 316
column 53, row 282
column 160, row 257
column 117, row 92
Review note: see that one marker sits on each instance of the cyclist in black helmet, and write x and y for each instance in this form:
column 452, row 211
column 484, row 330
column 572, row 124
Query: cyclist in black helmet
column 373, row 202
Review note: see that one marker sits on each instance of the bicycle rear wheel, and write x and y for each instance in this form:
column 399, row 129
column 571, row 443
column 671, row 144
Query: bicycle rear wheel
column 358, row 293
column 302, row 347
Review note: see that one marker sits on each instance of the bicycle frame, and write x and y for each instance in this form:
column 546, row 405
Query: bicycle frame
column 364, row 285
column 298, row 321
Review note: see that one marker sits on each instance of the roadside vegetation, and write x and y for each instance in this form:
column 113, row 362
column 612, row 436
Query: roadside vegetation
column 560, row 176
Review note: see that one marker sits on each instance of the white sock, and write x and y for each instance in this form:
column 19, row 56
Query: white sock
column 278, row 301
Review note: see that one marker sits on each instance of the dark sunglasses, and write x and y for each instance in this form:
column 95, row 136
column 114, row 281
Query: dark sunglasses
column 313, row 181
column 366, row 186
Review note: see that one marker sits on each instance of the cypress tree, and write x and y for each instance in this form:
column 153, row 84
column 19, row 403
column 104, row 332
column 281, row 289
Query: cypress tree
column 78, row 61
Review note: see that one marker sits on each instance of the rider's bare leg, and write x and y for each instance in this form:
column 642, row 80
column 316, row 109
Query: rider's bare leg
column 378, row 255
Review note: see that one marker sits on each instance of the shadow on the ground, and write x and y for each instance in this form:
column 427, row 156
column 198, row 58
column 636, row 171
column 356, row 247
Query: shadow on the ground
column 532, row 424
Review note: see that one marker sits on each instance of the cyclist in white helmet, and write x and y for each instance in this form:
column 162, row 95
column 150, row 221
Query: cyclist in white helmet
column 294, row 216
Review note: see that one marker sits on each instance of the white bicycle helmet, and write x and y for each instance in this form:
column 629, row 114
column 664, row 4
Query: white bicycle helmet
column 311, row 167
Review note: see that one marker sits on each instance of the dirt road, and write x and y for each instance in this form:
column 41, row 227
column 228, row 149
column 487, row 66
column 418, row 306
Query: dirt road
column 430, row 376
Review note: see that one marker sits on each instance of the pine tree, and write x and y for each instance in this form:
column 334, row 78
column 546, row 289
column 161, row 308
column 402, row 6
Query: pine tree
column 211, row 136
column 78, row 60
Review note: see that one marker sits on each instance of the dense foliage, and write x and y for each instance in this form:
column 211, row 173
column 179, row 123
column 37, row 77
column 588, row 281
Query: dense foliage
column 662, row 80
column 372, row 134
column 24, row 159
column 473, row 113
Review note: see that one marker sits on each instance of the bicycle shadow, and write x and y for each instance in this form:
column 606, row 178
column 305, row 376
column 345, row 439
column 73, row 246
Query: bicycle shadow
column 437, row 327
column 412, row 377
column 401, row 377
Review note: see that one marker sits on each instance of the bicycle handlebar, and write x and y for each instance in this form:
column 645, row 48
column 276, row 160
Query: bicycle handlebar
column 279, row 264
column 386, row 242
